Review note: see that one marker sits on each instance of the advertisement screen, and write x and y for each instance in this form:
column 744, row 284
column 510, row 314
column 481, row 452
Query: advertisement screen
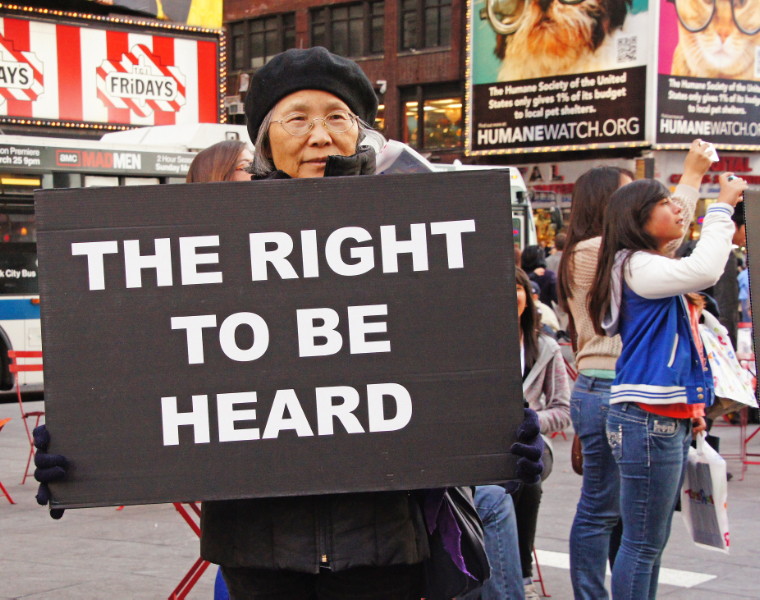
column 559, row 75
column 709, row 73
column 107, row 73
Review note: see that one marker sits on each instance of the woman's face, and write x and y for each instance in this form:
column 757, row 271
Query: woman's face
column 245, row 158
column 521, row 300
column 665, row 222
column 306, row 156
column 624, row 180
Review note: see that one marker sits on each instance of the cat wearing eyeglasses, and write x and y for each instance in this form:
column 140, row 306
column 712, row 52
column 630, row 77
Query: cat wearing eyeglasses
column 556, row 38
column 721, row 49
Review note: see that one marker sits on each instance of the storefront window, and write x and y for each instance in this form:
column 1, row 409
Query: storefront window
column 443, row 123
column 411, row 123
column 380, row 119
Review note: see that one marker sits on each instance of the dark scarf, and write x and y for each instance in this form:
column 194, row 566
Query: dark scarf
column 361, row 163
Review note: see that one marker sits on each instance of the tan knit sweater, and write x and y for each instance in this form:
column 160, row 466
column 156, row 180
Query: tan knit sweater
column 597, row 351
column 594, row 351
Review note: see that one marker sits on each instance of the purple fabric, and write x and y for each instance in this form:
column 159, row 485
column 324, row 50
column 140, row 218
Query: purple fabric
column 438, row 515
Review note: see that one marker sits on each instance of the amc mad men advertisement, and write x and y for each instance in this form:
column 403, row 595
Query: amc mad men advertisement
column 557, row 74
column 709, row 73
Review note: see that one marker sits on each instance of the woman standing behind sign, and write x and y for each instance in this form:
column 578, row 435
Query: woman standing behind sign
column 547, row 391
column 224, row 161
column 307, row 112
column 229, row 160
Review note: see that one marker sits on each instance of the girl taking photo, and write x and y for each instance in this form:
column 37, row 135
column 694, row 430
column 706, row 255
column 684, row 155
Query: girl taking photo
column 662, row 380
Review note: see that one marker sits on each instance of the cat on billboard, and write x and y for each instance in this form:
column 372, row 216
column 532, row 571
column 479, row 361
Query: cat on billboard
column 539, row 38
column 717, row 39
column 140, row 82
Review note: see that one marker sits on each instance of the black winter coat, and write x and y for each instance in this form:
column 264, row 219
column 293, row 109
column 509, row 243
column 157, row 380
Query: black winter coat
column 302, row 533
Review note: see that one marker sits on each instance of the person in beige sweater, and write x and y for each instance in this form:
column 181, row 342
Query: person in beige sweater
column 595, row 534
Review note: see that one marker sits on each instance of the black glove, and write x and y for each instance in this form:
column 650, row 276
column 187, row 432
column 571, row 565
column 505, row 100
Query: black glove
column 50, row 467
column 529, row 447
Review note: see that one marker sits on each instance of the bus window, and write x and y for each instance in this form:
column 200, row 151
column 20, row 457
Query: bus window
column 17, row 225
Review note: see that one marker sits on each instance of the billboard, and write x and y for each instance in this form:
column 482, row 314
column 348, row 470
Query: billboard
column 108, row 72
column 557, row 76
column 326, row 344
column 709, row 73
column 35, row 158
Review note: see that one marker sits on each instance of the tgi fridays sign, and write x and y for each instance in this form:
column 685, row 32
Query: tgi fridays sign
column 141, row 83
column 107, row 73
column 20, row 73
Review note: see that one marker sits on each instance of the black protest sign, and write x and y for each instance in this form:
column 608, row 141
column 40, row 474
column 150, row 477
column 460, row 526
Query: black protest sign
column 752, row 224
column 277, row 338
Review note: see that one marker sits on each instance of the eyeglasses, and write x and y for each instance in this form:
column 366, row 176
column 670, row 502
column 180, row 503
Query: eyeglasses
column 506, row 16
column 299, row 124
column 700, row 13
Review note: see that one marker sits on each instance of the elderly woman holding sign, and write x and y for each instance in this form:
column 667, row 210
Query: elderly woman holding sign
column 308, row 112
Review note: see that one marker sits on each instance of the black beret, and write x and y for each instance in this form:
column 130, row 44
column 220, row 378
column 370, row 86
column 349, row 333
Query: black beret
column 308, row 69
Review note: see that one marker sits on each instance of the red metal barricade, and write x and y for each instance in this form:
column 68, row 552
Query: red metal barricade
column 3, row 423
column 15, row 367
column 191, row 513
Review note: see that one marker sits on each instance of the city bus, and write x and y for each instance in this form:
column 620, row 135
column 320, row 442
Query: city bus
column 134, row 157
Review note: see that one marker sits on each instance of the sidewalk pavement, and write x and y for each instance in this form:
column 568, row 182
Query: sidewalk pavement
column 142, row 552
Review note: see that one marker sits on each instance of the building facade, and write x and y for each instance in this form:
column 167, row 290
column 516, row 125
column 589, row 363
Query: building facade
column 412, row 50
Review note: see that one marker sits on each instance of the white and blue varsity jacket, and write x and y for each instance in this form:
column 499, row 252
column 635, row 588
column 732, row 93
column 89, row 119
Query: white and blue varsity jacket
column 659, row 363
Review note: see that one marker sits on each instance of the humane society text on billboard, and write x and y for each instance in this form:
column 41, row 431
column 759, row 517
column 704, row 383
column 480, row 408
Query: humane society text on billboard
column 499, row 133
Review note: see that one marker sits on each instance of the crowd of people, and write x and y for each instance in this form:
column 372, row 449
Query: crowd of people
column 613, row 290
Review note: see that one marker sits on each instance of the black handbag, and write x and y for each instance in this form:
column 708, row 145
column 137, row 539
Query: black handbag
column 444, row 580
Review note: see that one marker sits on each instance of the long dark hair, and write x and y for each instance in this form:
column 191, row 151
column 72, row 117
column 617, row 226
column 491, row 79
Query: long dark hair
column 216, row 163
column 591, row 194
column 529, row 321
column 533, row 257
column 628, row 212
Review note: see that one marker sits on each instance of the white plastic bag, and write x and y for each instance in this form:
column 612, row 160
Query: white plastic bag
column 704, row 497
column 731, row 381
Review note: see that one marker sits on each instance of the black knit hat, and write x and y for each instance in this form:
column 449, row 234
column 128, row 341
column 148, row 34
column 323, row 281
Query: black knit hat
column 310, row 69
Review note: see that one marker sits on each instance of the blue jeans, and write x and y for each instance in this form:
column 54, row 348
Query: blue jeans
column 495, row 509
column 650, row 451
column 598, row 512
